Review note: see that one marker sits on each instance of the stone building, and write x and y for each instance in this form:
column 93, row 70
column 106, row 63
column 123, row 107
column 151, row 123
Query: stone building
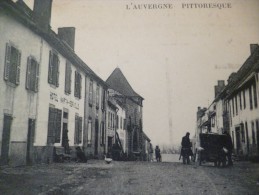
column 125, row 95
column 49, row 96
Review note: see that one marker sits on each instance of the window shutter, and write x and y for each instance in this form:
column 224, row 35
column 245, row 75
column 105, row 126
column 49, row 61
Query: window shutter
column 68, row 78
column 57, row 77
column 80, row 130
column 51, row 126
column 76, row 87
column 76, row 130
column 70, row 73
column 18, row 68
column 50, row 67
column 80, row 86
column 7, row 61
column 36, row 88
column 28, row 73
column 58, row 126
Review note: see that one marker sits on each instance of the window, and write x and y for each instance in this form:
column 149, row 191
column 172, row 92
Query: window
column 97, row 96
column 250, row 97
column 89, row 133
column 54, row 125
column 244, row 98
column 102, row 133
column 240, row 100
column 68, row 78
column 124, row 124
column 91, row 93
column 233, row 107
column 12, row 64
column 32, row 75
column 78, row 130
column 242, row 132
column 108, row 119
column 120, row 122
column 78, row 85
column 117, row 121
column 253, row 133
column 255, row 96
column 236, row 105
column 213, row 121
column 103, row 100
column 53, row 77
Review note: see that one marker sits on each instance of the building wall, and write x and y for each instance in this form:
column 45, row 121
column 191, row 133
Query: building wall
column 96, row 114
column 121, row 130
column 16, row 101
column 239, row 120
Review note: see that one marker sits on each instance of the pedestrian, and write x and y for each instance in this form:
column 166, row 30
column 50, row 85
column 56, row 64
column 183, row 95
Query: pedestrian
column 150, row 153
column 186, row 148
column 65, row 141
column 229, row 146
column 158, row 154
column 80, row 155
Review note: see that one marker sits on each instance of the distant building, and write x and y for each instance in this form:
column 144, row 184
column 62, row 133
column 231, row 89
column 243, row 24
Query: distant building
column 125, row 95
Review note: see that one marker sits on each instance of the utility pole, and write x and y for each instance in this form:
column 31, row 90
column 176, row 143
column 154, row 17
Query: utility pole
column 169, row 100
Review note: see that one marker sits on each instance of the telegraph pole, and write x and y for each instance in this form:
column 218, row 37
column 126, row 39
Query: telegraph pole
column 169, row 100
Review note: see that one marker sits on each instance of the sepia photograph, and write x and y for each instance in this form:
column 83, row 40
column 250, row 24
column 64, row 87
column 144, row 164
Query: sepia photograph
column 133, row 97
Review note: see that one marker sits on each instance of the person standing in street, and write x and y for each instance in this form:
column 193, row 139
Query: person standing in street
column 158, row 154
column 186, row 148
column 229, row 146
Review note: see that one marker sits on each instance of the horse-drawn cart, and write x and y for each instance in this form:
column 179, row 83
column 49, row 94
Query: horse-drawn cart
column 211, row 148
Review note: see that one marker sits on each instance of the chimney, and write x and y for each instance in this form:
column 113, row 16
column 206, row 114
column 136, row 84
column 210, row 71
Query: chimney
column 232, row 77
column 67, row 34
column 253, row 47
column 42, row 13
column 218, row 88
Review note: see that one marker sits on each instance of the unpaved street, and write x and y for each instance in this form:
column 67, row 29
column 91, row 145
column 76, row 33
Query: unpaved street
column 97, row 177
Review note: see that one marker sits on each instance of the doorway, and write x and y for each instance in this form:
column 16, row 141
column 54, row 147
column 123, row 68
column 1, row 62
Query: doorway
column 6, row 139
column 96, row 137
column 30, row 140
column 238, row 141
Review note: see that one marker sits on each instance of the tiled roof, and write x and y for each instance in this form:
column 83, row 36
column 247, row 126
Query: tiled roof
column 250, row 65
column 118, row 82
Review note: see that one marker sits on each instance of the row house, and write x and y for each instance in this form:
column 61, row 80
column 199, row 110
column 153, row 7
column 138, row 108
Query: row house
column 235, row 107
column 125, row 96
column 49, row 98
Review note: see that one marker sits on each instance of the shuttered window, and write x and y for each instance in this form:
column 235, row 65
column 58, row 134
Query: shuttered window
column 68, row 78
column 78, row 130
column 53, row 75
column 54, row 125
column 255, row 95
column 103, row 100
column 12, row 64
column 32, row 74
column 78, row 85
column 250, row 98
column 97, row 96
column 91, row 93
column 89, row 133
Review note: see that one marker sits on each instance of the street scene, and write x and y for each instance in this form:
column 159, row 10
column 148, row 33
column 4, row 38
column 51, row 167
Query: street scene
column 126, row 97
column 98, row 177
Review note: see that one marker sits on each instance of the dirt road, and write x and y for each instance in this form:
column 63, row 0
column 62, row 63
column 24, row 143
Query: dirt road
column 97, row 177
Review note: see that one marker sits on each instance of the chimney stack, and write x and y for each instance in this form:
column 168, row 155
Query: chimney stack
column 67, row 34
column 42, row 13
column 218, row 88
column 253, row 47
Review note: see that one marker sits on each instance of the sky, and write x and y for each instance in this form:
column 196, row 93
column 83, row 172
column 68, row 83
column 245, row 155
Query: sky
column 172, row 57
